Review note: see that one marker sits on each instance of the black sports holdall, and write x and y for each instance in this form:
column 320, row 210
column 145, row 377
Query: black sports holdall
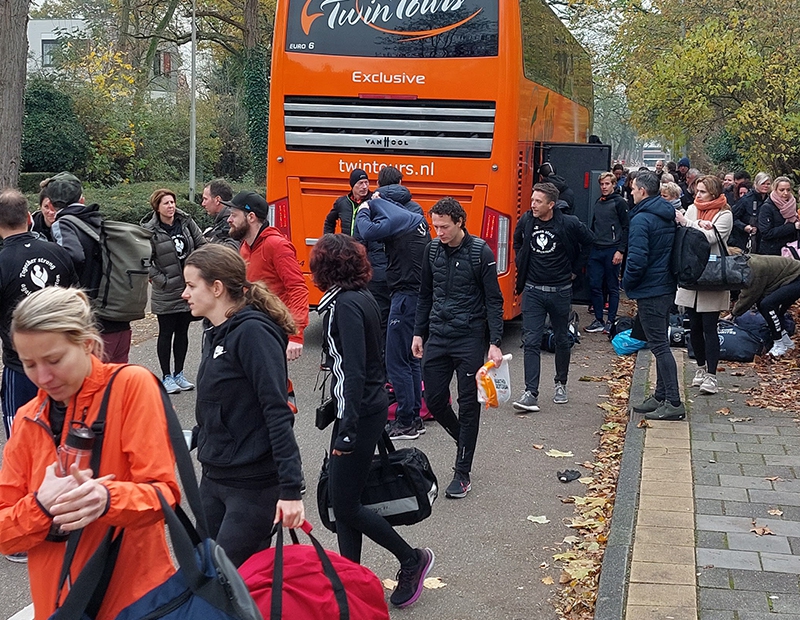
column 401, row 486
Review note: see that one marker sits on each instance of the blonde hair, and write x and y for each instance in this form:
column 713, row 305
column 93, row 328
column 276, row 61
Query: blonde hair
column 58, row 310
column 761, row 177
column 607, row 175
column 780, row 180
column 672, row 189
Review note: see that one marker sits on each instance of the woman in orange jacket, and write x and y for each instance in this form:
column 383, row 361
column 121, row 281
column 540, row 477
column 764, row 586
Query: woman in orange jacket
column 53, row 332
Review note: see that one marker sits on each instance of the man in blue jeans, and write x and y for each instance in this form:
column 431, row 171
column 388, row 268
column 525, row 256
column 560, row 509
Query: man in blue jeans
column 609, row 224
column 551, row 249
column 399, row 223
column 649, row 280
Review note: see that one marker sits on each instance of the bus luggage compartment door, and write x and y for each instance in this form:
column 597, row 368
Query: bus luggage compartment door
column 580, row 165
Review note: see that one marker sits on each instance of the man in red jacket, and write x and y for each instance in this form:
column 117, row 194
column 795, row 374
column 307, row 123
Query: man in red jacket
column 271, row 259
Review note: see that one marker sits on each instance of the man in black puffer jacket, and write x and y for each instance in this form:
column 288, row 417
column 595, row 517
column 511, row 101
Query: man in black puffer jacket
column 459, row 302
column 609, row 223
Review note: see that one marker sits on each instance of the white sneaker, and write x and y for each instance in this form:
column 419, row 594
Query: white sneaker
column 699, row 377
column 709, row 385
column 787, row 341
column 778, row 348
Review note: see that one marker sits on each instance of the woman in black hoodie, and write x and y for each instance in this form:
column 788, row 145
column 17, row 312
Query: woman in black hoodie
column 246, row 445
column 352, row 329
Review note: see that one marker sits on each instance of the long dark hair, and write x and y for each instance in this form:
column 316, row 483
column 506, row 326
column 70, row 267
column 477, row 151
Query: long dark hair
column 218, row 262
column 340, row 260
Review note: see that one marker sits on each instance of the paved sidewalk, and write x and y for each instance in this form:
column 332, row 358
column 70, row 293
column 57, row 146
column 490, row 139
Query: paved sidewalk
column 736, row 555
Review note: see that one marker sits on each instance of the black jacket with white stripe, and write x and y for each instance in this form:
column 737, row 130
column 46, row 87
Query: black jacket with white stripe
column 353, row 340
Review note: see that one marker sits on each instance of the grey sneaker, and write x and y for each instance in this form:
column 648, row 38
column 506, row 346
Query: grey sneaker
column 709, row 385
column 170, row 385
column 667, row 411
column 560, row 394
column 595, row 327
column 650, row 404
column 699, row 377
column 419, row 424
column 183, row 383
column 527, row 402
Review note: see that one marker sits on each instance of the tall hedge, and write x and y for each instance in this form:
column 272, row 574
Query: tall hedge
column 52, row 136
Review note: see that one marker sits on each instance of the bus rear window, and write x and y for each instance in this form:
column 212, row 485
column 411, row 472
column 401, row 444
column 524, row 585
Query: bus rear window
column 393, row 28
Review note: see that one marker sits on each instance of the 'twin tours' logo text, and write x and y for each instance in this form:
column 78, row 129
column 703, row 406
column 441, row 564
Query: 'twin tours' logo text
column 379, row 16
column 360, row 77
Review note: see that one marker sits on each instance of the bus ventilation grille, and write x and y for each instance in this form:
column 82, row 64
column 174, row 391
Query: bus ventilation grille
column 399, row 127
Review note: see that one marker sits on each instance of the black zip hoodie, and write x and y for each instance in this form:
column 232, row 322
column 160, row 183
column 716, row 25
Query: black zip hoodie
column 245, row 436
column 610, row 223
column 352, row 327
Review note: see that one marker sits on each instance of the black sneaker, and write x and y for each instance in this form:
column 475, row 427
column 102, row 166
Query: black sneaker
column 607, row 327
column 419, row 424
column 396, row 431
column 410, row 580
column 459, row 487
column 595, row 327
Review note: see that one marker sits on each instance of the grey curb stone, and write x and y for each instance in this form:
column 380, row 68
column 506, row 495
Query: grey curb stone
column 612, row 591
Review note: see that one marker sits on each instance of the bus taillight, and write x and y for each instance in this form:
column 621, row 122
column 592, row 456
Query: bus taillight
column 279, row 216
column 495, row 232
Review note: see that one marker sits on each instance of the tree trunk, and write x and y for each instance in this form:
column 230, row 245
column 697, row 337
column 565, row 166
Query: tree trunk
column 13, row 59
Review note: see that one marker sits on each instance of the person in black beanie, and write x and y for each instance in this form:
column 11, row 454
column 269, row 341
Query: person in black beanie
column 343, row 211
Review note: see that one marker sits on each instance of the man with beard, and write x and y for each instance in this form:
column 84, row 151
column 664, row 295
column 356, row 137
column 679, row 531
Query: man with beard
column 271, row 259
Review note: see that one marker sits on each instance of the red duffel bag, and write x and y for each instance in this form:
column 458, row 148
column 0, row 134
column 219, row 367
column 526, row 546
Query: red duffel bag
column 311, row 583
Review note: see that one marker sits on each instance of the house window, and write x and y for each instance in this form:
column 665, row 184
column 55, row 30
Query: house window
column 162, row 64
column 49, row 49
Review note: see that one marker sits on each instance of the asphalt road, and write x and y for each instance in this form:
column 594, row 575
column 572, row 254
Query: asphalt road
column 487, row 553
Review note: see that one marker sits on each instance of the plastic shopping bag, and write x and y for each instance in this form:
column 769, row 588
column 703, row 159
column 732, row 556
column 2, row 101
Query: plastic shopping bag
column 494, row 384
column 624, row 344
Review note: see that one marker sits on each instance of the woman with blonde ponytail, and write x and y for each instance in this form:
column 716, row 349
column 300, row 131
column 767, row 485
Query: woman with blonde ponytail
column 251, row 463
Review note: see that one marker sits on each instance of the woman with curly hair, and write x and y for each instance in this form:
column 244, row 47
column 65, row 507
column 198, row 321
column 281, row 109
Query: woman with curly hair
column 245, row 442
column 352, row 328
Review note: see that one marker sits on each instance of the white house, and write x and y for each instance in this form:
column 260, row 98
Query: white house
column 44, row 38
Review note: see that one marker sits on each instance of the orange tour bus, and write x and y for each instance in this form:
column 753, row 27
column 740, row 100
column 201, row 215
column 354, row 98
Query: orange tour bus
column 465, row 97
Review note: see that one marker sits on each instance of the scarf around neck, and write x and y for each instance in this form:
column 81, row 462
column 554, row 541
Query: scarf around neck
column 788, row 208
column 708, row 210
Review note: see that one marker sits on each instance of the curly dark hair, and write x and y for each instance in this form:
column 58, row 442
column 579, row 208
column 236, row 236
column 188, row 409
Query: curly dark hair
column 450, row 206
column 340, row 260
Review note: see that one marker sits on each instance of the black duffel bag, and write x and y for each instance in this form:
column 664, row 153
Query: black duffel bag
column 401, row 486
column 723, row 272
column 736, row 344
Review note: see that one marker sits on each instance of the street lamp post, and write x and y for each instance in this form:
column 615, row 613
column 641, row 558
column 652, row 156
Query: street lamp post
column 193, row 110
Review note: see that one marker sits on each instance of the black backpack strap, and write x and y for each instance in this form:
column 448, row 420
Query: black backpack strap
column 475, row 252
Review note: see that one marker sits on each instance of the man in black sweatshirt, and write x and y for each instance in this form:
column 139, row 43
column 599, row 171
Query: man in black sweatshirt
column 27, row 264
column 460, row 304
column 609, row 223
column 551, row 250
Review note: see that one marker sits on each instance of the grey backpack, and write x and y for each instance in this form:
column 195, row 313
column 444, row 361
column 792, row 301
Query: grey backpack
column 125, row 251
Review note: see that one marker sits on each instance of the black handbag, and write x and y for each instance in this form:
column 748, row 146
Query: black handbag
column 723, row 272
column 401, row 486
column 326, row 411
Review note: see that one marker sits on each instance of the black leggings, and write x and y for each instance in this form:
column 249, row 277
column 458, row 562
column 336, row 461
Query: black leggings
column 705, row 341
column 173, row 331
column 348, row 475
column 775, row 305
